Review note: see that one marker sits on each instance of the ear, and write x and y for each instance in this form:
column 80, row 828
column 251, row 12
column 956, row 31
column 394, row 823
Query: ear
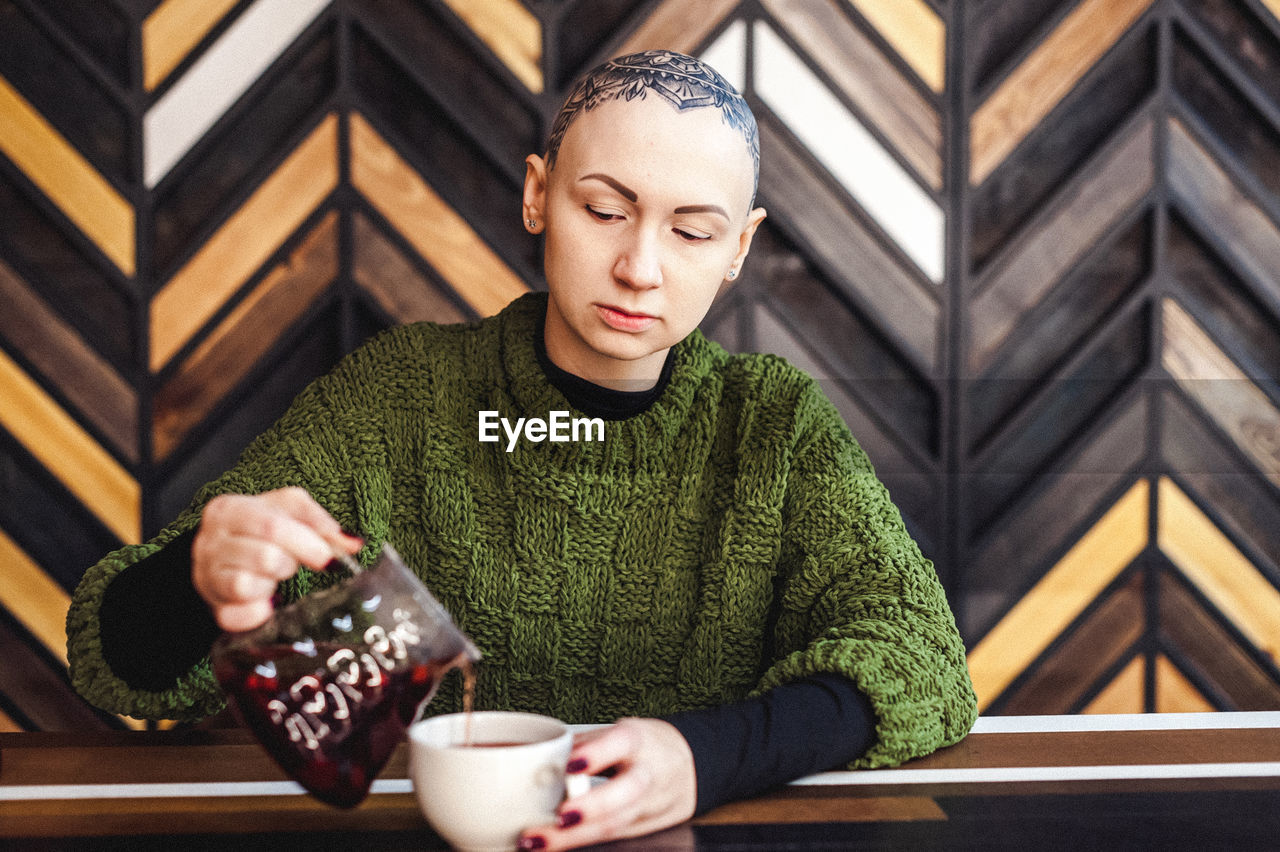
column 535, row 193
column 754, row 218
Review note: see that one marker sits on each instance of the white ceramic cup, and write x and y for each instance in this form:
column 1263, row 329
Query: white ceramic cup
column 480, row 798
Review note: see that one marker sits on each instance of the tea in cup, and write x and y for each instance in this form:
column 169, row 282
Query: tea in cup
column 483, row 780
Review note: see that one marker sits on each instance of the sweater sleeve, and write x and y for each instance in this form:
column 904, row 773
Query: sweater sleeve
column 856, row 597
column 749, row 746
column 327, row 442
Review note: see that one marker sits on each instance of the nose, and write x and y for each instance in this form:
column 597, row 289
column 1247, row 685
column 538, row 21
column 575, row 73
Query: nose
column 639, row 264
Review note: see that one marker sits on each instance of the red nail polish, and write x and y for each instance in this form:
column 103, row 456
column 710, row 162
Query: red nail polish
column 569, row 819
column 537, row 841
column 578, row 764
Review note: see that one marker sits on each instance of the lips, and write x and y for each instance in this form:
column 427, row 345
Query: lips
column 622, row 320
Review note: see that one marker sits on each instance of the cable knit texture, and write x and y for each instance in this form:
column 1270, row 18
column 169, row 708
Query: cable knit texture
column 730, row 538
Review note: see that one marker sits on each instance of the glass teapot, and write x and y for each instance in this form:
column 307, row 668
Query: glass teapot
column 330, row 683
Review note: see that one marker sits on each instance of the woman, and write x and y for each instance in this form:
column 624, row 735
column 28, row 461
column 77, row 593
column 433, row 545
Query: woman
column 721, row 572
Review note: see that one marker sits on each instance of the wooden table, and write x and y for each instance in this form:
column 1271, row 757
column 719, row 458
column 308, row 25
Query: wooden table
column 1193, row 781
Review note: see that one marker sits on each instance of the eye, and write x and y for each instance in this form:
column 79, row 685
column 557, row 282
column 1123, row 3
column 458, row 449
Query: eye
column 691, row 236
column 603, row 215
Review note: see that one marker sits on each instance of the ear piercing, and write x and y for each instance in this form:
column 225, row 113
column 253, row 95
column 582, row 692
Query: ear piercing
column 733, row 273
column 532, row 223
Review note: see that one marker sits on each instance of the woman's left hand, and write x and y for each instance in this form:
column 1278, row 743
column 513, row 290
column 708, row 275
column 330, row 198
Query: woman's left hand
column 654, row 786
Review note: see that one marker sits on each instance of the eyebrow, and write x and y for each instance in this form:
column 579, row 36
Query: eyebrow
column 630, row 194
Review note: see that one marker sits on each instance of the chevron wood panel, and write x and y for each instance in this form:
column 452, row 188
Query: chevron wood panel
column 1031, row 251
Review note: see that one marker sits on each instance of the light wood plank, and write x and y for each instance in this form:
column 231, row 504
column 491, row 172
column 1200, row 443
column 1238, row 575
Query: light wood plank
column 915, row 31
column 245, row 335
column 678, row 25
column 1020, row 281
column 70, row 454
column 34, row 598
column 1060, row 595
column 1205, row 189
column 868, row 79
column 57, row 350
column 244, row 242
column 1176, row 694
column 1211, row 378
column 172, row 30
column 1273, row 6
column 434, row 228
column 1046, row 77
column 511, row 31
column 62, row 173
column 1209, row 560
column 1122, row 695
column 809, row 203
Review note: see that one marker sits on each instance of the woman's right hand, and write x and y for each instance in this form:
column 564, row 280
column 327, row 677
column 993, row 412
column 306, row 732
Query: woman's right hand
column 247, row 544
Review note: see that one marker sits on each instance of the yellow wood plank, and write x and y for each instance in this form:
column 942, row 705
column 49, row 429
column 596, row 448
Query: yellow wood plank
column 1061, row 595
column 1208, row 559
column 69, row 453
column 7, row 725
column 1222, row 389
column 1174, row 693
column 1122, row 695
column 434, row 228
column 511, row 31
column 915, row 31
column 172, row 30
column 244, row 242
column 63, row 174
column 34, row 598
column 1037, row 85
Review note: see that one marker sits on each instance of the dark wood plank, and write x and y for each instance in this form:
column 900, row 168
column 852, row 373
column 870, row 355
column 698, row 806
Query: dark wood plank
column 1028, row 540
column 1237, row 124
column 1209, row 197
column 399, row 289
column 1217, row 655
column 1089, row 208
column 1076, row 664
column 235, row 346
column 87, row 380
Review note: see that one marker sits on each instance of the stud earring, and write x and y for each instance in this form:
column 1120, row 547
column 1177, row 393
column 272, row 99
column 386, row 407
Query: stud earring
column 532, row 223
column 733, row 273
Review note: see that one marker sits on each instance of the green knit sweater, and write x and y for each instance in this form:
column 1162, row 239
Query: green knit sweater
column 730, row 538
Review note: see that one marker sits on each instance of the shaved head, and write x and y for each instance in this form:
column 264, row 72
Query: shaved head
column 683, row 81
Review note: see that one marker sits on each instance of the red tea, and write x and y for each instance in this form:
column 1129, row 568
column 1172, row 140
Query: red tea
column 330, row 716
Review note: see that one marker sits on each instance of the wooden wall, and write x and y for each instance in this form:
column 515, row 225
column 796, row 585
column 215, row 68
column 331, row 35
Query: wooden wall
column 1032, row 250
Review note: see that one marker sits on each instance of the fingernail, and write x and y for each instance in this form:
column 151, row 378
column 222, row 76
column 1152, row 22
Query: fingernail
column 569, row 819
column 578, row 764
column 350, row 534
column 537, row 841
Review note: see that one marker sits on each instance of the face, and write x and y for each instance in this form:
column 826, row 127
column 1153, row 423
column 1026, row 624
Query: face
column 645, row 214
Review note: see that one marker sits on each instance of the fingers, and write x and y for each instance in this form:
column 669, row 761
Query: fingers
column 288, row 519
column 654, row 786
column 247, row 544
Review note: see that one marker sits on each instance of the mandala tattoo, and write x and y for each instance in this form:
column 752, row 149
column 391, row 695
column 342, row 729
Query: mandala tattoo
column 686, row 82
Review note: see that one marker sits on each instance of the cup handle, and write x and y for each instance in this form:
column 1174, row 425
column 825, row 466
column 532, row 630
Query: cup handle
column 576, row 785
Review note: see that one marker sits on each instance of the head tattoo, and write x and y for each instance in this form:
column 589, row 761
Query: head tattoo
column 686, row 82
